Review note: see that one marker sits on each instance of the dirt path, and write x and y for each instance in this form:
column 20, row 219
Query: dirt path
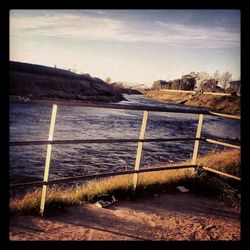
column 180, row 216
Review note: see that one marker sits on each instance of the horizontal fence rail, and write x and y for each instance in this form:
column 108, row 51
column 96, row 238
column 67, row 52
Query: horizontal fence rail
column 112, row 106
column 94, row 176
column 108, row 141
column 225, row 115
column 125, row 107
column 104, row 141
column 222, row 173
column 222, row 143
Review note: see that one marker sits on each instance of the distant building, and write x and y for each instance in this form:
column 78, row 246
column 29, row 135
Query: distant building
column 187, row 82
column 234, row 86
column 160, row 84
column 210, row 85
column 176, row 84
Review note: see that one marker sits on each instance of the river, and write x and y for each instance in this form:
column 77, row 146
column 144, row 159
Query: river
column 31, row 122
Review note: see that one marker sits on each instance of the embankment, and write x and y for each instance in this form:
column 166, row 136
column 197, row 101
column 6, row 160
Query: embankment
column 41, row 82
column 222, row 104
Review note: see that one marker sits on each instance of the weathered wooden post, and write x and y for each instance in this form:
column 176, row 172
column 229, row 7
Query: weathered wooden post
column 139, row 148
column 198, row 136
column 48, row 156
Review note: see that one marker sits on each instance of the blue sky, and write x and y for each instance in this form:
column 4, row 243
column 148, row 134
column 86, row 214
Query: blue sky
column 136, row 46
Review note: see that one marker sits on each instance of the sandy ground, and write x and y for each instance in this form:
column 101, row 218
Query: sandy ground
column 181, row 216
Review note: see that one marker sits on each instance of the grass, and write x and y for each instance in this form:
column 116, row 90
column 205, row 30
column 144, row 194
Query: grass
column 148, row 183
column 222, row 104
column 225, row 161
column 223, row 188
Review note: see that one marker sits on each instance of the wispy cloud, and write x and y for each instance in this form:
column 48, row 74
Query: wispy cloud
column 67, row 26
column 200, row 36
column 93, row 28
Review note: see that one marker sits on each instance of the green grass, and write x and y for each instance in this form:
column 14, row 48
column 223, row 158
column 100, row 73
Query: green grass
column 154, row 182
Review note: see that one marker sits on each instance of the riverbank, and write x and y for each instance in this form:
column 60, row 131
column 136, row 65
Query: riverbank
column 177, row 216
column 222, row 104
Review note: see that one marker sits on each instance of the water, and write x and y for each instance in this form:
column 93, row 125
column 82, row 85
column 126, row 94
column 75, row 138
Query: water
column 31, row 122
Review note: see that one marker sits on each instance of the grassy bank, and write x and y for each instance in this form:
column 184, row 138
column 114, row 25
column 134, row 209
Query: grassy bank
column 149, row 183
column 222, row 104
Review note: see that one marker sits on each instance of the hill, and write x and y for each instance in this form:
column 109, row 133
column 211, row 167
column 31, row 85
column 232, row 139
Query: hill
column 42, row 82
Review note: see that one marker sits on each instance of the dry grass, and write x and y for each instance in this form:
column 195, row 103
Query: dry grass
column 226, row 161
column 223, row 104
column 167, row 96
column 224, row 188
column 122, row 186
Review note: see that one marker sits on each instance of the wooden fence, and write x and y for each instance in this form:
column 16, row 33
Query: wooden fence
column 140, row 141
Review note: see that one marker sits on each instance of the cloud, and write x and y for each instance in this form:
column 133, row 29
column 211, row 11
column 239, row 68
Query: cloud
column 209, row 37
column 65, row 26
column 103, row 28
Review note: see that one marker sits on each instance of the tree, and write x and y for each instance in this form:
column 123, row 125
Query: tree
column 200, row 78
column 224, row 79
column 217, row 75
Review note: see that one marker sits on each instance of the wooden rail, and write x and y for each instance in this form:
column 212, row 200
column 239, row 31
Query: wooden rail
column 222, row 173
column 112, row 106
column 124, row 107
column 103, row 175
column 222, row 143
column 112, row 141
column 101, row 141
column 140, row 142
column 225, row 115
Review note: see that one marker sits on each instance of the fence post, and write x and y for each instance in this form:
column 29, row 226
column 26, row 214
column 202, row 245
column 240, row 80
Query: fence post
column 48, row 156
column 197, row 142
column 139, row 148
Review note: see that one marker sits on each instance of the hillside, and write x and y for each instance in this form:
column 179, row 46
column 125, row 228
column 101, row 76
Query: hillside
column 42, row 82
column 223, row 104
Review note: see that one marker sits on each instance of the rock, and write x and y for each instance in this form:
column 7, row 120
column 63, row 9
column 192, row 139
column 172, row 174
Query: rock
column 105, row 200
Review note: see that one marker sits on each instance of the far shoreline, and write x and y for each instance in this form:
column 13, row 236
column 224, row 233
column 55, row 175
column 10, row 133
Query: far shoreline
column 222, row 104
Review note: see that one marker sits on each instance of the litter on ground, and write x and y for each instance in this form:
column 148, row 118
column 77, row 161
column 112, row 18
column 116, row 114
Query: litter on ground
column 183, row 189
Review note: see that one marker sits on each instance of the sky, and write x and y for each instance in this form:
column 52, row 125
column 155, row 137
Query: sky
column 133, row 46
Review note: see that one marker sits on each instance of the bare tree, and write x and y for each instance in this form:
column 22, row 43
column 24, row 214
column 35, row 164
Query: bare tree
column 216, row 75
column 224, row 79
column 202, row 75
column 200, row 78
